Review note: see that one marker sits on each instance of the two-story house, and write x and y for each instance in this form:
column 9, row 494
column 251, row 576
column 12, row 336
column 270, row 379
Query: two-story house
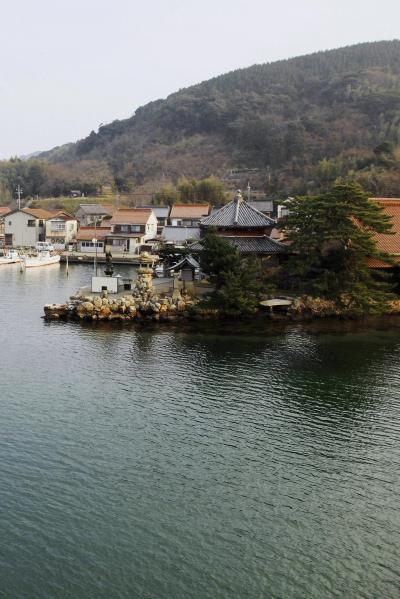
column 162, row 214
column 184, row 222
column 91, row 214
column 61, row 229
column 131, row 228
column 24, row 228
column 187, row 215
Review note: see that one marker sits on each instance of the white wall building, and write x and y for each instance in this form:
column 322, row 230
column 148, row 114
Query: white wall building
column 131, row 228
column 23, row 228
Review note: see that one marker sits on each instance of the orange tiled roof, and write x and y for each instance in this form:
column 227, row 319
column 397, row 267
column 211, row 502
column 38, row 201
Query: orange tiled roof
column 89, row 233
column 192, row 211
column 4, row 210
column 131, row 216
column 39, row 213
column 62, row 214
column 390, row 243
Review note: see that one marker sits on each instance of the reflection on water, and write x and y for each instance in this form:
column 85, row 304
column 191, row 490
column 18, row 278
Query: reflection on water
column 159, row 463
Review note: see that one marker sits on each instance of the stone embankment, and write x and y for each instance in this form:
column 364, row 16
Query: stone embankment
column 142, row 303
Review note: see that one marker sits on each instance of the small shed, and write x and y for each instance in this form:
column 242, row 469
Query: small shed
column 188, row 268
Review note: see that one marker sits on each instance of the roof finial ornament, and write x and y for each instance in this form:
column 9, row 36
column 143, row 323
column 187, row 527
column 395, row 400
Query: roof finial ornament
column 238, row 200
column 238, row 196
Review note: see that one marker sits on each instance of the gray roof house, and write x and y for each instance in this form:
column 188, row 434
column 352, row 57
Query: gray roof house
column 88, row 214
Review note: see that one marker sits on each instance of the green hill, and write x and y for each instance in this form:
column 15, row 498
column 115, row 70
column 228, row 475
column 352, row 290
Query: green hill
column 291, row 126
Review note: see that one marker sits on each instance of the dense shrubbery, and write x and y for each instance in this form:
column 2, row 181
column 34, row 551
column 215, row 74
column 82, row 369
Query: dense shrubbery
column 238, row 282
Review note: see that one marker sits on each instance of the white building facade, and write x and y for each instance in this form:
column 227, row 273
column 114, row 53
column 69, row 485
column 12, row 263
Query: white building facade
column 24, row 228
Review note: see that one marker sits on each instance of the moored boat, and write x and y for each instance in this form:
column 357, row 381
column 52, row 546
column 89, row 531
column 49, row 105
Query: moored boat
column 11, row 257
column 42, row 259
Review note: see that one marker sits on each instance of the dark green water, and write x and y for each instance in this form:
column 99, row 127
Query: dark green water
column 165, row 465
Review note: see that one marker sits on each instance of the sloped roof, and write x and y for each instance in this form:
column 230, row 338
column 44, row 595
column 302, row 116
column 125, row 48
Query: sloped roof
column 62, row 214
column 257, row 245
column 4, row 210
column 192, row 211
column 249, row 245
column 237, row 214
column 90, row 233
column 390, row 243
column 185, row 260
column 262, row 205
column 39, row 213
column 159, row 211
column 131, row 216
column 96, row 209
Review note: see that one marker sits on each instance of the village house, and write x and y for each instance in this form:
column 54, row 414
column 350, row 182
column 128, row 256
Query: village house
column 88, row 239
column 187, row 215
column 162, row 213
column 91, row 214
column 4, row 210
column 180, row 235
column 264, row 206
column 130, row 229
column 245, row 227
column 61, row 229
column 24, row 228
column 184, row 222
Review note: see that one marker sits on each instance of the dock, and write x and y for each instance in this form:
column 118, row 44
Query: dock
column 81, row 258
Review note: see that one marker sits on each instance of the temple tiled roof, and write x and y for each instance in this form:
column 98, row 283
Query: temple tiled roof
column 237, row 214
column 249, row 245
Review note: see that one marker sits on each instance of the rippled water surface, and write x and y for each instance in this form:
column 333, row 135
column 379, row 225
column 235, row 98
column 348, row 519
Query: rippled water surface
column 165, row 465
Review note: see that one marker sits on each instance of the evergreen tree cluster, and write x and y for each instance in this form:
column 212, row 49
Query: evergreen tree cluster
column 332, row 239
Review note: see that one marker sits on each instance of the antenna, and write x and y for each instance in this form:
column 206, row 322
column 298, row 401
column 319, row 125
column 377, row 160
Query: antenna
column 248, row 191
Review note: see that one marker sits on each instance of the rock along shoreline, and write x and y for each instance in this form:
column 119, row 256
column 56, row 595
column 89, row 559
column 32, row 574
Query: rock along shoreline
column 141, row 303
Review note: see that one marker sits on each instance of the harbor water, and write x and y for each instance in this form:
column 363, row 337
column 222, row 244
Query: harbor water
column 165, row 464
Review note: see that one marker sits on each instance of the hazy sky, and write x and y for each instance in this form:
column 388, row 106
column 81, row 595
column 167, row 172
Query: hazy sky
column 69, row 65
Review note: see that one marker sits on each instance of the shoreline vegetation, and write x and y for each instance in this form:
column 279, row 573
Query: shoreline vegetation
column 325, row 272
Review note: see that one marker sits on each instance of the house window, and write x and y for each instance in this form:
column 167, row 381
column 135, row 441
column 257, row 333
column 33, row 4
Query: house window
column 124, row 228
column 40, row 223
column 135, row 228
column 90, row 244
column 31, row 223
column 57, row 225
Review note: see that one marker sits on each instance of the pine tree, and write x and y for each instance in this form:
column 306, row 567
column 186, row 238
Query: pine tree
column 237, row 281
column 332, row 237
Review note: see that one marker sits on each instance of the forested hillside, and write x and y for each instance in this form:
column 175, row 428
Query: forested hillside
column 298, row 124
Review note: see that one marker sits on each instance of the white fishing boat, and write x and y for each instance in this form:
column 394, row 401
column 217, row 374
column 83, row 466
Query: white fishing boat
column 11, row 257
column 42, row 259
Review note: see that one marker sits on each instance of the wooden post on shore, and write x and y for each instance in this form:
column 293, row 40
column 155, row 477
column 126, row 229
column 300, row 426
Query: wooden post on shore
column 67, row 271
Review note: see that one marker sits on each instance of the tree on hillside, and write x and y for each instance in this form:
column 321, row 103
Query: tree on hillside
column 332, row 237
column 237, row 282
column 209, row 190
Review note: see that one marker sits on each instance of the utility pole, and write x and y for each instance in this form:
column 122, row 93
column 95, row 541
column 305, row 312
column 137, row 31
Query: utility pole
column 19, row 191
column 248, row 191
column 95, row 247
